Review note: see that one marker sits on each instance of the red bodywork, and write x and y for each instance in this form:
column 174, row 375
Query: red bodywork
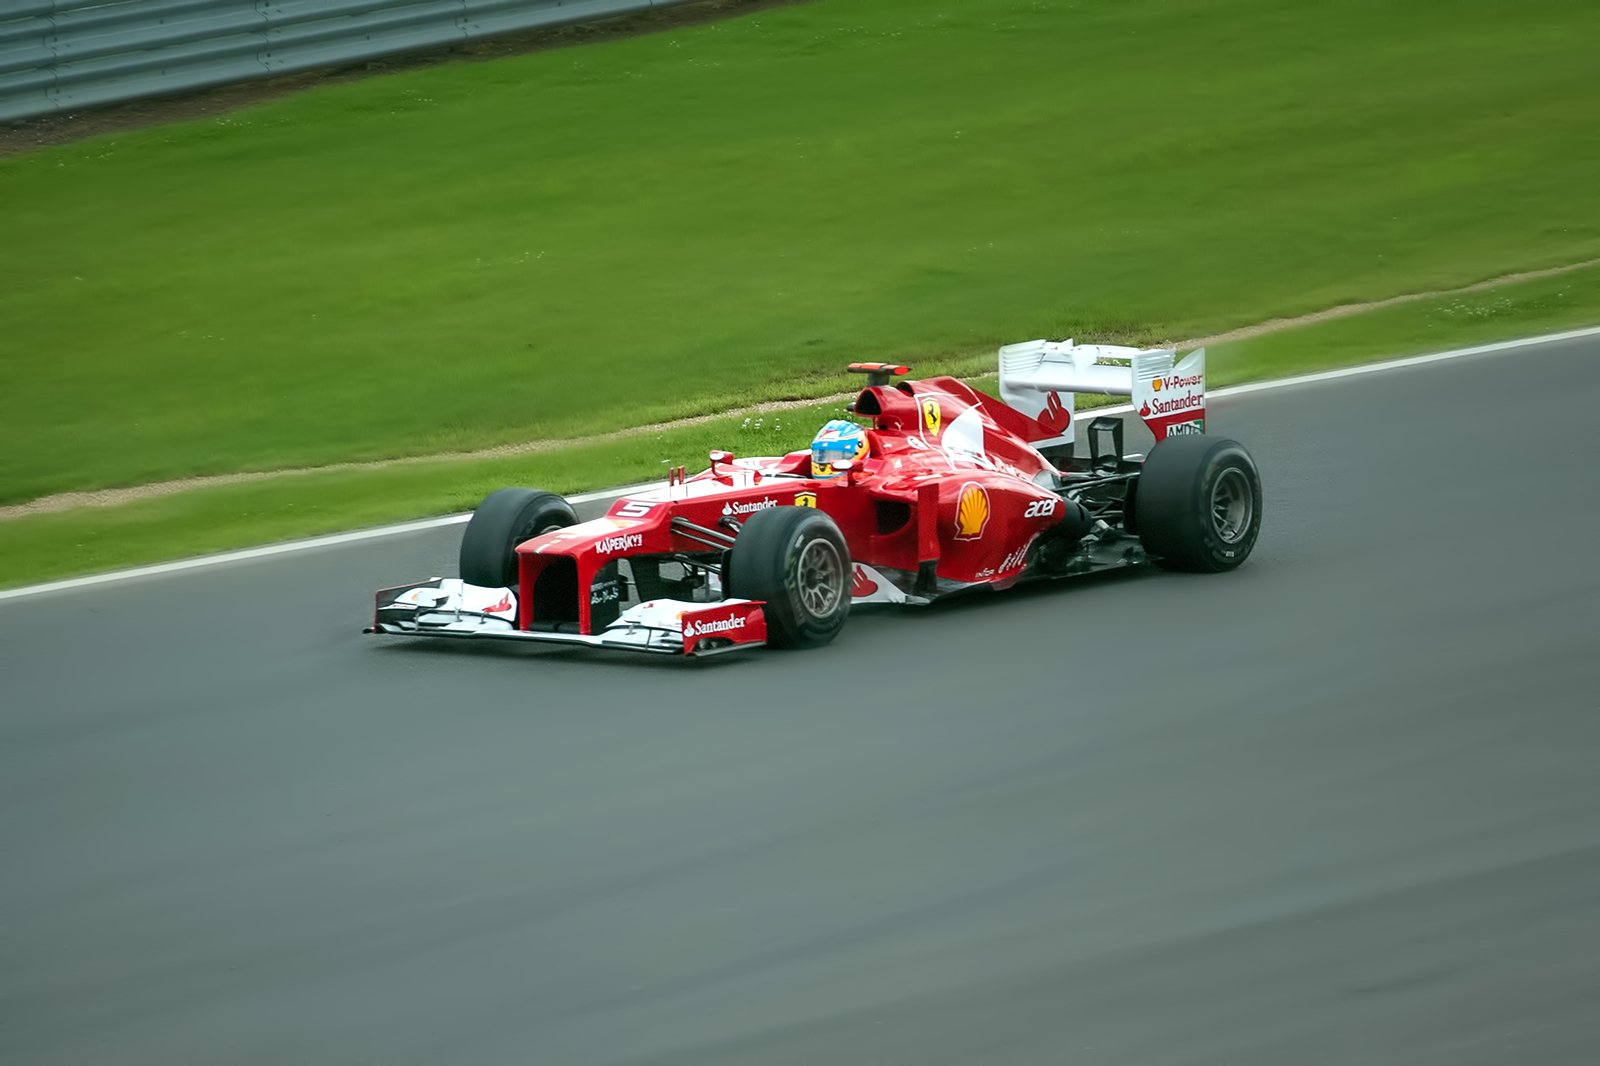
column 950, row 494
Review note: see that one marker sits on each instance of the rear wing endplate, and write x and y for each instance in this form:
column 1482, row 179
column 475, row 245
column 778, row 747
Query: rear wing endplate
column 1041, row 379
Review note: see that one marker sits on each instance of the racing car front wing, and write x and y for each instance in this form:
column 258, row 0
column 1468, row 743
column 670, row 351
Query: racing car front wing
column 449, row 607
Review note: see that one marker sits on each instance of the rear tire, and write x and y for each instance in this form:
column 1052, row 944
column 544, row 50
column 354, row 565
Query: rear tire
column 504, row 519
column 1198, row 504
column 795, row 559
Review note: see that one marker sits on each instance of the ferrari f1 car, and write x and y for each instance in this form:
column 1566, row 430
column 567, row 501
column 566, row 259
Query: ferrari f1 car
column 932, row 488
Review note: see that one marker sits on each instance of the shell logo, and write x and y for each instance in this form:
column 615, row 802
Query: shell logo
column 806, row 499
column 972, row 511
column 1155, row 385
column 932, row 416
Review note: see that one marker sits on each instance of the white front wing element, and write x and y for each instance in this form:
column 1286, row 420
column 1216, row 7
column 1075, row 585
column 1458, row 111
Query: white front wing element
column 454, row 606
column 451, row 607
column 1040, row 378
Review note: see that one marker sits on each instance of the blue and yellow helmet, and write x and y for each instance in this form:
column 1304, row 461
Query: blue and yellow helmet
column 836, row 441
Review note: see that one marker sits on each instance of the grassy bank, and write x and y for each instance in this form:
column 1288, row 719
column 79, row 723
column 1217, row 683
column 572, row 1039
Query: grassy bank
column 47, row 546
column 581, row 239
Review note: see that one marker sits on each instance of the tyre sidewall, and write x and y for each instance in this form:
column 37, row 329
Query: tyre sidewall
column 815, row 629
column 1174, row 504
column 1217, row 553
column 765, row 565
column 505, row 519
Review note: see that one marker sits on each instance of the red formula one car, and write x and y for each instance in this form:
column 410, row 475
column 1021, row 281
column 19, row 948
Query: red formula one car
column 933, row 488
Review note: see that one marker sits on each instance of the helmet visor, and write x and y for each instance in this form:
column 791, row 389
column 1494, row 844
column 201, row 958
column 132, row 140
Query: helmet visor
column 825, row 453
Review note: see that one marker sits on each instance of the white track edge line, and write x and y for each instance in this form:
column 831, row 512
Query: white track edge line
column 285, row 548
column 378, row 532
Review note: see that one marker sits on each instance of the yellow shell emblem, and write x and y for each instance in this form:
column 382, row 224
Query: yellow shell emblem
column 932, row 416
column 806, row 499
column 1155, row 386
column 972, row 511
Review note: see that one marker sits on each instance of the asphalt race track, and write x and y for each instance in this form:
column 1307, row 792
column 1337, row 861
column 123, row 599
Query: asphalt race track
column 1339, row 807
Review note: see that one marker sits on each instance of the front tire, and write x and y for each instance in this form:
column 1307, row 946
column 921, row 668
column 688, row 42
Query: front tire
column 1198, row 504
column 795, row 559
column 504, row 519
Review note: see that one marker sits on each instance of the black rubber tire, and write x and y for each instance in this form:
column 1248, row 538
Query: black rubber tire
column 766, row 563
column 1180, row 520
column 504, row 519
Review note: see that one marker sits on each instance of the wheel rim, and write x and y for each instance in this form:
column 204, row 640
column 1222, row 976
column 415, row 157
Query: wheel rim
column 1233, row 506
column 537, row 531
column 821, row 578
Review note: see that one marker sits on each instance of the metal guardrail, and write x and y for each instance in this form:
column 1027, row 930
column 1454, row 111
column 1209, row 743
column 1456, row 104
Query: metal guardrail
column 63, row 55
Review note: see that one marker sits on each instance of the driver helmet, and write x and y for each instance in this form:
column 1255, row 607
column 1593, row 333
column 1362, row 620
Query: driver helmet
column 835, row 441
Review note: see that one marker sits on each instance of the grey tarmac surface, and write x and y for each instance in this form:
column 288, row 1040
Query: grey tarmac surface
column 1341, row 806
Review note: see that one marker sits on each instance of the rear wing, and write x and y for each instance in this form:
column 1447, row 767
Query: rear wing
column 1041, row 379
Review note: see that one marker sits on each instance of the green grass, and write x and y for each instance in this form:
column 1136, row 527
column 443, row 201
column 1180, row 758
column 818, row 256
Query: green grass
column 1547, row 305
column 581, row 239
column 49, row 546
column 41, row 547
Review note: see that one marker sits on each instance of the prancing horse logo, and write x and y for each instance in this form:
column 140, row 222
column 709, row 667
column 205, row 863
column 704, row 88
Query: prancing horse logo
column 932, row 415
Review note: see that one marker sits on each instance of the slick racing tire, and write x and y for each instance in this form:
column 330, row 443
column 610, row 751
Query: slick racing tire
column 504, row 519
column 795, row 560
column 1198, row 504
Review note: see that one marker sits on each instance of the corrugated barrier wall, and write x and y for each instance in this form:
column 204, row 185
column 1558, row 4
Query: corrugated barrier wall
column 63, row 55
